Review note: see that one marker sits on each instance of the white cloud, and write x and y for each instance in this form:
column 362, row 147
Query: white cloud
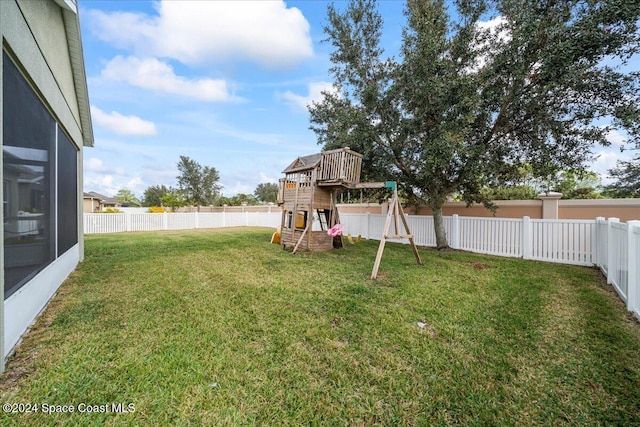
column 230, row 190
column 94, row 165
column 123, row 125
column 102, row 184
column 109, row 185
column 264, row 178
column 606, row 159
column 489, row 36
column 158, row 76
column 197, row 32
column 314, row 94
column 135, row 184
column 616, row 139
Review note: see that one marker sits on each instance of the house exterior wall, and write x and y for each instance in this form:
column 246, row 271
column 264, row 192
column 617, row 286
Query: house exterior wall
column 44, row 18
column 18, row 20
column 34, row 35
column 90, row 205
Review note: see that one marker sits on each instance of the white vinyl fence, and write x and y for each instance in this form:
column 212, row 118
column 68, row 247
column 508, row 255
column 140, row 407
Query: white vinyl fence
column 118, row 222
column 612, row 246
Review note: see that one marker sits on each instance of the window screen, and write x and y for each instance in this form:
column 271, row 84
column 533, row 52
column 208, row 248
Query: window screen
column 67, row 193
column 40, row 190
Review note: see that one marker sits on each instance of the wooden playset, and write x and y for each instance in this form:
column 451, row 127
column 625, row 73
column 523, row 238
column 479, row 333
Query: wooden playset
column 308, row 197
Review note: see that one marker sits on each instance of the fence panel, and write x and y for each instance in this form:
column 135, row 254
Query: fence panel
column 211, row 220
column 145, row 222
column 238, row 219
column 633, row 290
column 564, row 241
column 422, row 229
column 355, row 224
column 495, row 236
column 602, row 241
column 264, row 219
column 618, row 258
column 104, row 223
column 181, row 221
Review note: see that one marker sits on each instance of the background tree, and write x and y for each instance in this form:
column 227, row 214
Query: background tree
column 627, row 176
column 198, row 184
column 266, row 192
column 238, row 200
column 153, row 195
column 517, row 192
column 578, row 185
column 173, row 198
column 127, row 198
column 467, row 105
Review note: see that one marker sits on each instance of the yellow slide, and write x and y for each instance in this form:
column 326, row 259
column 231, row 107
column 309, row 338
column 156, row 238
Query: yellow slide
column 276, row 237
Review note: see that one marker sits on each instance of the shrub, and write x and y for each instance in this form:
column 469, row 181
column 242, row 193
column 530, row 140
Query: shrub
column 156, row 209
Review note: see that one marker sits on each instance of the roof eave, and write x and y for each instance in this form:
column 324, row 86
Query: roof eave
column 74, row 42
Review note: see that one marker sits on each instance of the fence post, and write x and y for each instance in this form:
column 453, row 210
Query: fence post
column 610, row 250
column 224, row 217
column 455, row 232
column 246, row 218
column 196, row 219
column 527, row 241
column 597, row 239
column 165, row 221
column 633, row 278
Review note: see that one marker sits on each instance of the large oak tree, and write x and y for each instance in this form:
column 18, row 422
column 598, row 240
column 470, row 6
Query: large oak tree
column 477, row 93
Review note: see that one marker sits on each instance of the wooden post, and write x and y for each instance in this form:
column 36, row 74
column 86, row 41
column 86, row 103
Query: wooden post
column 408, row 231
column 383, row 239
column 398, row 213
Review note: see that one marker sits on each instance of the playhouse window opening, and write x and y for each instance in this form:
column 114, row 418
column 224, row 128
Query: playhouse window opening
column 290, row 181
column 299, row 222
column 305, row 179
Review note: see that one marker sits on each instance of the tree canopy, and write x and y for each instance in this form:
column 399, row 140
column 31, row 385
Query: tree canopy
column 198, row 184
column 238, row 200
column 127, row 198
column 153, row 195
column 266, row 192
column 627, row 179
column 477, row 94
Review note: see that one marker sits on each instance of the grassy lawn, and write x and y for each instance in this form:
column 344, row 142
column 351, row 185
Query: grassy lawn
column 219, row 327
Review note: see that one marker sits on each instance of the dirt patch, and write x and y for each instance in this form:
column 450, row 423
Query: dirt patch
column 20, row 365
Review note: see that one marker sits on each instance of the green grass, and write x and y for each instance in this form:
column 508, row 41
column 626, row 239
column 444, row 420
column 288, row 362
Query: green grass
column 222, row 328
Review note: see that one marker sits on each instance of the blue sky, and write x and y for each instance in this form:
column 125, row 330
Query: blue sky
column 222, row 82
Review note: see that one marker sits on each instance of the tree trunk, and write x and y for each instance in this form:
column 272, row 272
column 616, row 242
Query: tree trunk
column 438, row 225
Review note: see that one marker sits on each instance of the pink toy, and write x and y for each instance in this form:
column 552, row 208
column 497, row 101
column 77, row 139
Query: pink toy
column 336, row 230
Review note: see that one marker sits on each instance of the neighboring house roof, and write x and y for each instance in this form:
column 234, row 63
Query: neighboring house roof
column 101, row 198
column 304, row 163
column 74, row 42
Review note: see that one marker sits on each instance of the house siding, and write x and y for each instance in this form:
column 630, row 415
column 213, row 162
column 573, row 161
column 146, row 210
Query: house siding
column 34, row 35
column 34, row 32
